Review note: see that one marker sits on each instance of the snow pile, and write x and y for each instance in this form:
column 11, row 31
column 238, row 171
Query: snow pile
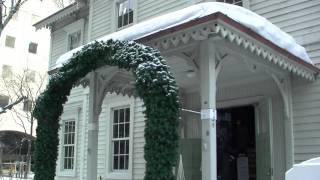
column 247, row 18
column 308, row 170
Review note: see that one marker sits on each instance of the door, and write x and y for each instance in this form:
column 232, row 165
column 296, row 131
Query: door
column 264, row 140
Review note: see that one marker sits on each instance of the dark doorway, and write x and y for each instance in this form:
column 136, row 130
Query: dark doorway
column 236, row 143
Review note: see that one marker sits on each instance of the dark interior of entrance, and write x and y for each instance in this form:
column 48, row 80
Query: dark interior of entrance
column 236, row 147
column 236, row 143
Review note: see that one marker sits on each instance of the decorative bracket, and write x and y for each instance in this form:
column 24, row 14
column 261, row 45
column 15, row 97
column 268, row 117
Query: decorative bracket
column 220, row 60
column 284, row 85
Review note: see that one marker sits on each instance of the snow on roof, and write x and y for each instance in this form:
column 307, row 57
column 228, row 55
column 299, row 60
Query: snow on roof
column 244, row 16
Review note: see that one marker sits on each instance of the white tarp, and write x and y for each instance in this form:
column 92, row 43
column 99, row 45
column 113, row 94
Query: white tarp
column 307, row 170
column 244, row 16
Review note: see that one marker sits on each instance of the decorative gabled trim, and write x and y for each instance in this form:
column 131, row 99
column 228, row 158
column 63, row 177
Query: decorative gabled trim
column 47, row 22
column 213, row 28
column 264, row 52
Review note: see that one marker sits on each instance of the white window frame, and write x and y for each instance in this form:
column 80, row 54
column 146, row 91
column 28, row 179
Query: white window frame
column 245, row 3
column 64, row 145
column 73, row 28
column 114, row 15
column 69, row 114
column 118, row 102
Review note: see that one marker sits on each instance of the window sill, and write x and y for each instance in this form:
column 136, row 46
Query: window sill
column 67, row 173
column 124, row 27
column 119, row 175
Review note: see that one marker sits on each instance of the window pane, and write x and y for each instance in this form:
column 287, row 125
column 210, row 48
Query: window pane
column 115, row 116
column 65, row 139
column 6, row 71
column 65, row 166
column 115, row 147
column 121, row 130
column 33, row 48
column 71, row 163
column 121, row 115
column 74, row 40
column 10, row 41
column 126, row 162
column 131, row 16
column 115, row 131
column 127, row 115
column 121, row 162
column 65, row 151
column 4, row 100
column 127, row 147
column 127, row 129
column 115, row 162
column 122, row 146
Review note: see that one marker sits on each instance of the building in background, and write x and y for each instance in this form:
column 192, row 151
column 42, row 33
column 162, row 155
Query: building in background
column 23, row 68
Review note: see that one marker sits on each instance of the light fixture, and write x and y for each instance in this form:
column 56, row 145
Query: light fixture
column 191, row 73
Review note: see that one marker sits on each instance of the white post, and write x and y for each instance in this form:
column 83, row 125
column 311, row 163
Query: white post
column 289, row 125
column 93, row 128
column 208, row 110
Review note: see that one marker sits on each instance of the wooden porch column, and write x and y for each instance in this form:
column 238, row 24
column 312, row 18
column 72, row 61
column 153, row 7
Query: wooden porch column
column 93, row 128
column 288, row 123
column 208, row 110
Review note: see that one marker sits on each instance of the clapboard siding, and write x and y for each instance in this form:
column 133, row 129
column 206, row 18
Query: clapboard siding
column 138, row 141
column 151, row 8
column 296, row 17
column 101, row 12
column 306, row 122
column 58, row 46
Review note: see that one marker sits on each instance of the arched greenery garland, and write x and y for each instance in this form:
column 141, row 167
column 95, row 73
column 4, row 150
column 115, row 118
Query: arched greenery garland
column 154, row 84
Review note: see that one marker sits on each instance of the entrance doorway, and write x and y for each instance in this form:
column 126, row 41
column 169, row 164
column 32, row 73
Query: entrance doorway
column 236, row 143
column 244, row 144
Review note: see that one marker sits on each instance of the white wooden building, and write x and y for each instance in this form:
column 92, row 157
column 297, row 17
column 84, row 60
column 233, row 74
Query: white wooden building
column 265, row 97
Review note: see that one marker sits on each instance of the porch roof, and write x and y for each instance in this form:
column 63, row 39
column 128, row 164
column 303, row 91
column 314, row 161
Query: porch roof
column 258, row 35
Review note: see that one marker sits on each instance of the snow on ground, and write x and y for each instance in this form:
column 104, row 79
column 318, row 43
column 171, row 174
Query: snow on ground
column 244, row 16
column 13, row 178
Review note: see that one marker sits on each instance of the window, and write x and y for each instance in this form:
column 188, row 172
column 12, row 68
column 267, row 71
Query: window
column 10, row 41
column 27, row 105
column 125, row 13
column 33, row 47
column 4, row 100
column 6, row 71
column 74, row 40
column 120, row 139
column 30, row 76
column 235, row 2
column 68, row 145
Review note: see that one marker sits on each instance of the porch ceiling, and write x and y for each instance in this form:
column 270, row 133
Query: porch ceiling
column 235, row 71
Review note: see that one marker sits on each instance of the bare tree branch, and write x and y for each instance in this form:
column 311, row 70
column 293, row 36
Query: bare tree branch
column 9, row 107
column 13, row 9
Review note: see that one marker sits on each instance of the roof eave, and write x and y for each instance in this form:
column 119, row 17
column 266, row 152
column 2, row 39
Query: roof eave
column 219, row 16
column 48, row 21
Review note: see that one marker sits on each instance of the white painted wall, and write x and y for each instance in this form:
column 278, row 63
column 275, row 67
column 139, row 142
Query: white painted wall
column 19, row 57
